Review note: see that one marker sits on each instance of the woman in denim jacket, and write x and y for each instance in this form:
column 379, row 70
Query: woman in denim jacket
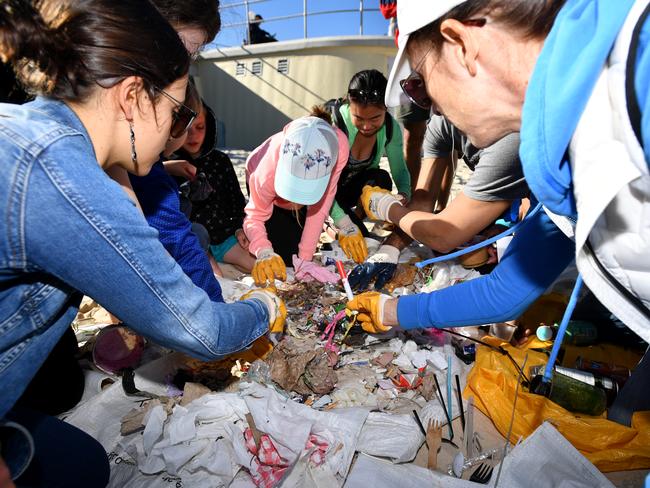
column 111, row 73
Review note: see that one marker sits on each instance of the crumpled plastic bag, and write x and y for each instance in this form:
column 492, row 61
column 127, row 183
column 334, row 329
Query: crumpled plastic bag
column 290, row 424
column 197, row 190
column 448, row 273
column 169, row 443
column 608, row 445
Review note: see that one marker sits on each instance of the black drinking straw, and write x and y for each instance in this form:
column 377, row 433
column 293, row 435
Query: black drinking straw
column 444, row 407
column 460, row 403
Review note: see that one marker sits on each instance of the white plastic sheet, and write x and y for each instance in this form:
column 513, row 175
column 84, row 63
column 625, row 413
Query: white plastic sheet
column 376, row 473
column 547, row 460
column 393, row 436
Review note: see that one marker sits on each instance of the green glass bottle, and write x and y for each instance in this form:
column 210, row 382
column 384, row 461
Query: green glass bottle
column 577, row 396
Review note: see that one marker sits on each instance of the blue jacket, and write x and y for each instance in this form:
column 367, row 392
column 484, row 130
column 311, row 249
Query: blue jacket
column 566, row 71
column 157, row 193
column 67, row 229
column 537, row 255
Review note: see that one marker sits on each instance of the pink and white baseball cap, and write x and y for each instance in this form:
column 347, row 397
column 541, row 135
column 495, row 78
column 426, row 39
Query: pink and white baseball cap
column 308, row 155
column 411, row 16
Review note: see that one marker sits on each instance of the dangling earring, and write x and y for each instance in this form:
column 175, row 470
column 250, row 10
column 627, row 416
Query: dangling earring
column 134, row 155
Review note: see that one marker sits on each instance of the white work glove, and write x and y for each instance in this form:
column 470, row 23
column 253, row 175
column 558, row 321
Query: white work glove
column 274, row 304
column 377, row 202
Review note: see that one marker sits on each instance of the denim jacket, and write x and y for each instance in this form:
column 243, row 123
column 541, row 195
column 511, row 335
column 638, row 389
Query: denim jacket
column 66, row 230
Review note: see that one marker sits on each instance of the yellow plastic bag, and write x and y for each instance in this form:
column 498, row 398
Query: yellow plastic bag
column 608, row 445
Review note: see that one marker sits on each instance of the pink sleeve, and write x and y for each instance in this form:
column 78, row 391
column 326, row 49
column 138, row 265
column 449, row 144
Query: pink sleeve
column 317, row 213
column 260, row 168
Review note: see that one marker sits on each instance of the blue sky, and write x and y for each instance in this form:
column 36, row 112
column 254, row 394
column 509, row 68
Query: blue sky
column 317, row 26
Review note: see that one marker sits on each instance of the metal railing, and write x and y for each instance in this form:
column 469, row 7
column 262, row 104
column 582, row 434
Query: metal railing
column 305, row 14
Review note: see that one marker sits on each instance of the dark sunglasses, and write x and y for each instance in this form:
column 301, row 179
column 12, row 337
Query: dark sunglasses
column 182, row 116
column 413, row 85
column 366, row 96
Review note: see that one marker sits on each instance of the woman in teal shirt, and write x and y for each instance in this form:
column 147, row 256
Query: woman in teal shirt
column 372, row 133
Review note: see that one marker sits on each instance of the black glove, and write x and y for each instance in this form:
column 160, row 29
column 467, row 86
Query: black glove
column 380, row 267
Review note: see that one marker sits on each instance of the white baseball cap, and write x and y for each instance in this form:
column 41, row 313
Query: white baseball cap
column 411, row 16
column 308, row 155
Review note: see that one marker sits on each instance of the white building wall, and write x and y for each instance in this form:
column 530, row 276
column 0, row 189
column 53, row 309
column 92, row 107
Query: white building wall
column 251, row 107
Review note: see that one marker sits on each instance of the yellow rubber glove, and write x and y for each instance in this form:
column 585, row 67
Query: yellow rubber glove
column 370, row 306
column 274, row 304
column 351, row 240
column 354, row 247
column 377, row 201
column 268, row 267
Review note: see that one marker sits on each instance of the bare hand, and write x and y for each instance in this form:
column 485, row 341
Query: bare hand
column 5, row 476
column 421, row 200
column 181, row 168
column 215, row 266
column 242, row 239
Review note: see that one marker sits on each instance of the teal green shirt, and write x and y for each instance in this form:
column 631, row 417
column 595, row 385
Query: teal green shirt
column 393, row 150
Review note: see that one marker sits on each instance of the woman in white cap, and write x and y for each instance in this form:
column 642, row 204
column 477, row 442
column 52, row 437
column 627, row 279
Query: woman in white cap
column 292, row 179
column 572, row 76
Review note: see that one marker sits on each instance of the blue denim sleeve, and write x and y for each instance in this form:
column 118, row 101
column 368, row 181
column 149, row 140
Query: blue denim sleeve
column 537, row 255
column 95, row 240
column 157, row 193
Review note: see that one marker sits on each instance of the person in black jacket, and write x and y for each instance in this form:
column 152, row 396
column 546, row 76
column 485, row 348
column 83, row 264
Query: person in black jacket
column 257, row 35
column 217, row 200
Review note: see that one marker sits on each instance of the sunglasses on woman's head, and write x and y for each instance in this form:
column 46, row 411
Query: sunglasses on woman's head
column 366, row 96
column 182, row 116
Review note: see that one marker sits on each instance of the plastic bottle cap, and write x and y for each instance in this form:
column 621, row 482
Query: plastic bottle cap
column 544, row 333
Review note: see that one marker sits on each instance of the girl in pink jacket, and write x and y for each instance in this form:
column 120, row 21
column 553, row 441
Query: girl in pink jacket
column 292, row 179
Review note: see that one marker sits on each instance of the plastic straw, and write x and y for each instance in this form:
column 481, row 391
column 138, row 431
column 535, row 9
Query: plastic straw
column 444, row 407
column 460, row 403
column 344, row 280
column 450, row 401
column 548, row 372
column 481, row 244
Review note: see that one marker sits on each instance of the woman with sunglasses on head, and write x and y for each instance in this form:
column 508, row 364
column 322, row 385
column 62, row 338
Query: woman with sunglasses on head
column 572, row 77
column 372, row 133
column 106, row 98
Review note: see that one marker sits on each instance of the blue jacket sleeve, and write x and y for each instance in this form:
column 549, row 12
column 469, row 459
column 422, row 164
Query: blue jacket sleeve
column 642, row 86
column 119, row 261
column 537, row 255
column 158, row 195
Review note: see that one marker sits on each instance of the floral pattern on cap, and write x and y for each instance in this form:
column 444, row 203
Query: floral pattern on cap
column 308, row 160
